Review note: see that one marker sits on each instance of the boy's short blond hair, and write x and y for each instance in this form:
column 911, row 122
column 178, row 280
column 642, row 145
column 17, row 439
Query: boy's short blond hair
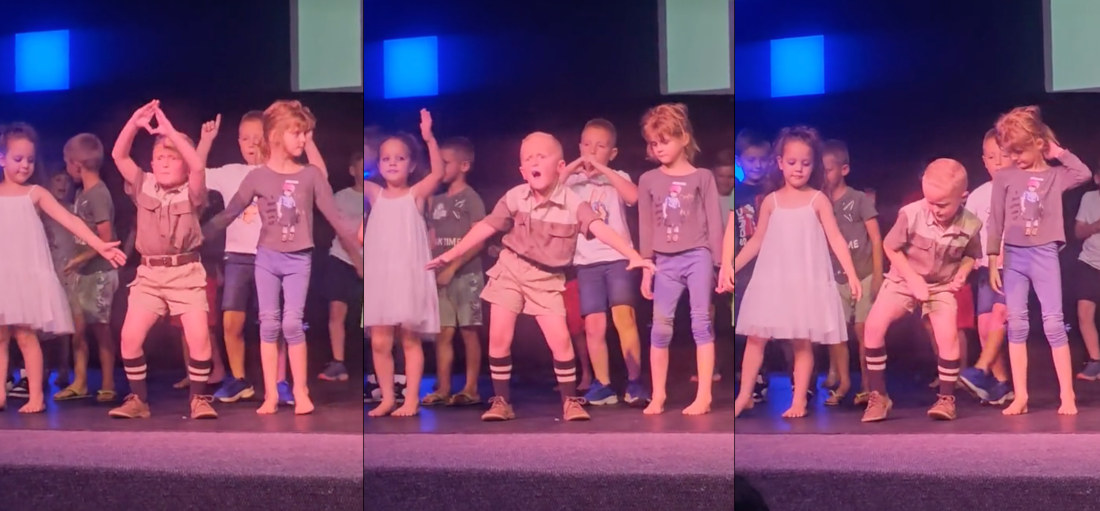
column 85, row 149
column 837, row 149
column 945, row 175
column 559, row 152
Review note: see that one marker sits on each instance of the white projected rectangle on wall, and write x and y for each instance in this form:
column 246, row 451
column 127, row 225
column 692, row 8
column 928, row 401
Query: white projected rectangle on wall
column 1071, row 38
column 696, row 46
column 326, row 45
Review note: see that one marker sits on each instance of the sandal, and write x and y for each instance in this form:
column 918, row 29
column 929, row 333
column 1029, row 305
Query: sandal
column 106, row 396
column 70, row 393
column 834, row 398
column 434, row 399
column 862, row 398
column 464, row 399
column 182, row 384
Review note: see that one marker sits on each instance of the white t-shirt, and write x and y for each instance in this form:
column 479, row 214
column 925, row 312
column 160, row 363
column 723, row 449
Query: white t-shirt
column 243, row 234
column 609, row 206
column 350, row 204
column 1089, row 213
column 980, row 202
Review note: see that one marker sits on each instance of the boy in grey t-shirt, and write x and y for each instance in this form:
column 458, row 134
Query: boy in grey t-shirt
column 858, row 222
column 450, row 216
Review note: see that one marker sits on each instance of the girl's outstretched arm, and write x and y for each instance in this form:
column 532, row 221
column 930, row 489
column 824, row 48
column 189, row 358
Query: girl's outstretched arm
column 752, row 247
column 49, row 205
column 426, row 187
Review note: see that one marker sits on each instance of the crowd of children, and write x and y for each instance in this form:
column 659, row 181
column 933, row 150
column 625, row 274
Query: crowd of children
column 57, row 287
column 566, row 258
column 794, row 207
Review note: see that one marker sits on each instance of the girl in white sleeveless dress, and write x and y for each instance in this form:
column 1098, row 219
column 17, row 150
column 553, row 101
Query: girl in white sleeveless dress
column 31, row 297
column 792, row 293
column 400, row 297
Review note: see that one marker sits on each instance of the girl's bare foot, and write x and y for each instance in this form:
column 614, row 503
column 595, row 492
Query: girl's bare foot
column 268, row 407
column 303, row 405
column 797, row 410
column 409, row 409
column 384, row 408
column 33, row 406
column 741, row 404
column 656, row 406
column 1069, row 405
column 1018, row 407
column 698, row 407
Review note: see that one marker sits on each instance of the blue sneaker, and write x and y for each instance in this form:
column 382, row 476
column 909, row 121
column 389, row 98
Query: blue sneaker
column 1091, row 372
column 233, row 390
column 600, row 394
column 977, row 381
column 636, row 394
column 1000, row 393
column 286, row 397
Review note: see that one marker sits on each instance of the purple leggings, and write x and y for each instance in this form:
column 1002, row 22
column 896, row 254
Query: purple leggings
column 1034, row 267
column 692, row 270
column 287, row 272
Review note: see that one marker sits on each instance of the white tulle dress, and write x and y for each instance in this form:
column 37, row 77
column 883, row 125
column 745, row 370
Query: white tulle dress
column 30, row 293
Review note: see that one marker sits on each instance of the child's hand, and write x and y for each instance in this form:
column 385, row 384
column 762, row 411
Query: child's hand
column 210, row 129
column 1054, row 151
column 143, row 116
column 445, row 275
column 641, row 263
column 647, row 283
column 164, row 126
column 919, row 288
column 71, row 267
column 957, row 283
column 574, row 166
column 111, row 253
column 426, row 124
column 855, row 287
column 439, row 262
column 995, row 277
column 725, row 279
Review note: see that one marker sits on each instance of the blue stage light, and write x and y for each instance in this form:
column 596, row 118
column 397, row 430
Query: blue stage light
column 410, row 67
column 42, row 61
column 798, row 66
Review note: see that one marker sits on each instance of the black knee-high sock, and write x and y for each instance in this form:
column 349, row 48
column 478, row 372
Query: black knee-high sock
column 566, row 371
column 136, row 370
column 199, row 373
column 949, row 374
column 500, row 369
column 876, row 369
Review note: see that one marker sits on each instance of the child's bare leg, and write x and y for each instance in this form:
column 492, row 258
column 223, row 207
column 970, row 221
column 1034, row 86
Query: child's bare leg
column 658, row 370
column 298, row 355
column 626, row 324
column 1047, row 280
column 579, row 347
column 282, row 359
column 838, row 358
column 233, row 333
column 414, row 370
column 595, row 329
column 803, row 371
column 269, row 360
column 860, row 328
column 1086, row 315
column 32, row 363
column 106, row 344
column 5, row 345
column 135, row 328
column 381, row 340
column 1016, row 289
column 444, row 361
column 337, row 316
column 556, row 332
column 1063, row 367
column 751, row 362
column 80, row 354
column 704, row 360
column 472, row 342
column 891, row 305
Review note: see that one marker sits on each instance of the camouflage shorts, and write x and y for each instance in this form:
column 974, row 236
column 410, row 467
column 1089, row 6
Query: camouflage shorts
column 460, row 301
column 95, row 295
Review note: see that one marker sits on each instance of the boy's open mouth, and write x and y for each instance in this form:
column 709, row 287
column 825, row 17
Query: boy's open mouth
column 536, row 173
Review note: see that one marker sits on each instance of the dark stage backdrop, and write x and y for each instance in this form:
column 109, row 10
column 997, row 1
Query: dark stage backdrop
column 906, row 84
column 508, row 69
column 199, row 59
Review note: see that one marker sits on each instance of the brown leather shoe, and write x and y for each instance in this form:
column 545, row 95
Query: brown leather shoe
column 201, row 408
column 573, row 409
column 878, row 406
column 499, row 410
column 944, row 409
column 132, row 408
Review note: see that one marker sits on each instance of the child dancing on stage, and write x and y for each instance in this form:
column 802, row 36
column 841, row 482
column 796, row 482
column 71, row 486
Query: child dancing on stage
column 33, row 299
column 680, row 227
column 171, row 279
column 541, row 220
column 792, row 293
column 286, row 192
column 403, row 300
column 932, row 248
column 1027, row 217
